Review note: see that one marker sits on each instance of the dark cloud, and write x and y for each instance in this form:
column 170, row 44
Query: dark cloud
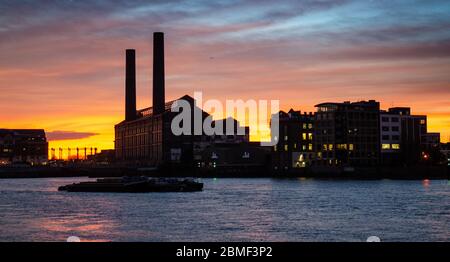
column 67, row 135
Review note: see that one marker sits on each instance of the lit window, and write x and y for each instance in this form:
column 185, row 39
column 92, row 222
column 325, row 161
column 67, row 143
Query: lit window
column 275, row 148
column 330, row 147
column 310, row 126
column 350, row 147
column 395, row 146
column 286, row 147
column 422, row 121
column 310, row 147
column 325, row 147
column 310, row 136
column 285, row 138
column 295, row 145
column 304, row 147
column 341, row 146
column 386, row 146
column 304, row 136
column 300, row 162
column 304, row 126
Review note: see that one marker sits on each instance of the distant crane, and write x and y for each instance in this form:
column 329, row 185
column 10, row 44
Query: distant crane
column 86, row 150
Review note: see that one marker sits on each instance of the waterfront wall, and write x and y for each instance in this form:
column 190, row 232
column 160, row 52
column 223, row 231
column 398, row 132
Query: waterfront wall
column 417, row 172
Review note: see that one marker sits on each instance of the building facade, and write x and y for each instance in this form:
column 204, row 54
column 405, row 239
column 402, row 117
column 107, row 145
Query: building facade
column 390, row 138
column 413, row 129
column 348, row 134
column 148, row 140
column 23, row 146
column 294, row 149
column 232, row 158
column 224, row 138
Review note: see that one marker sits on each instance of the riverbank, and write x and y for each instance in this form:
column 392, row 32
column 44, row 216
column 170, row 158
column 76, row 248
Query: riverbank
column 416, row 172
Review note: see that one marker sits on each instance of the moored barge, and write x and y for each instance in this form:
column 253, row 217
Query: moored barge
column 135, row 185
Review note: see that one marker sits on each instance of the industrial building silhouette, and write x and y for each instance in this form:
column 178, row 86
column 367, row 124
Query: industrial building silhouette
column 145, row 136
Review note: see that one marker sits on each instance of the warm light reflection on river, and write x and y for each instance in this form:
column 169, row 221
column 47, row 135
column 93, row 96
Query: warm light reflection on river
column 230, row 210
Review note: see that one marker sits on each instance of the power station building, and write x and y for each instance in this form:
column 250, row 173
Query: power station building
column 145, row 136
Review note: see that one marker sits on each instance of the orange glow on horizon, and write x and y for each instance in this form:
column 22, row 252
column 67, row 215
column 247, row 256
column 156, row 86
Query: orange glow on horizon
column 103, row 126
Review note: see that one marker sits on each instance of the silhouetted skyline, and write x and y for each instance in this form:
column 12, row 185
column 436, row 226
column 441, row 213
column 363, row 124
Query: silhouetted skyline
column 61, row 63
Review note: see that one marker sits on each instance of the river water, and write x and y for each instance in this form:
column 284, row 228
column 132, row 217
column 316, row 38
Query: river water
column 230, row 209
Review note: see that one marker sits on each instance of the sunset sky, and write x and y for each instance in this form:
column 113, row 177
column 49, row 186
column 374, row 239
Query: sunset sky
column 62, row 62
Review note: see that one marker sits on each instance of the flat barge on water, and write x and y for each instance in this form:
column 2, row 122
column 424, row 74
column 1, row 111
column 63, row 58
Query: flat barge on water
column 135, row 185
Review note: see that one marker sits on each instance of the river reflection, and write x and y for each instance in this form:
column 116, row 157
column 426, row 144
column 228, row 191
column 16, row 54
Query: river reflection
column 230, row 210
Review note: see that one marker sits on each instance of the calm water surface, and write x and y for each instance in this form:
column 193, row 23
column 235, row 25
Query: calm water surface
column 230, row 210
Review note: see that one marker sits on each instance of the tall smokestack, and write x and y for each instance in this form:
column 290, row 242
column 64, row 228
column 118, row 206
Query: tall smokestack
column 130, row 84
column 158, row 73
